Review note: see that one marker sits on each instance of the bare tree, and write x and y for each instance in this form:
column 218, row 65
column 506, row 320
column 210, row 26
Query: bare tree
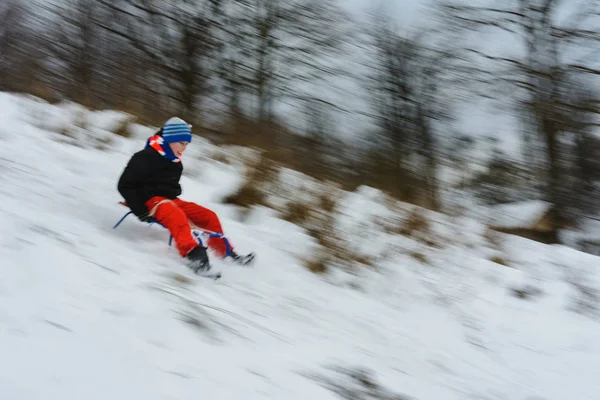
column 317, row 146
column 178, row 36
column 554, row 52
column 579, row 149
column 10, row 17
column 286, row 42
column 20, row 58
column 233, row 68
column 409, row 108
column 74, row 43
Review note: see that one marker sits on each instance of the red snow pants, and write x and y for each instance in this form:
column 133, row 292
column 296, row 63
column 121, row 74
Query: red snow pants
column 176, row 215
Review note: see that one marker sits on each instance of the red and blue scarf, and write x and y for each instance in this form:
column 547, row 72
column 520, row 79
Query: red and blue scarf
column 157, row 142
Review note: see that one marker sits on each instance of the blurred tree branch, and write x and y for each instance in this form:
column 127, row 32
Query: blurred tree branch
column 545, row 71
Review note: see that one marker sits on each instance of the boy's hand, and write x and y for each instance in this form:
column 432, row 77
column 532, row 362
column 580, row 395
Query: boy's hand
column 145, row 218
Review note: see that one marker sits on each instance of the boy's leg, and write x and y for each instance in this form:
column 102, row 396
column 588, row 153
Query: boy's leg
column 168, row 214
column 204, row 218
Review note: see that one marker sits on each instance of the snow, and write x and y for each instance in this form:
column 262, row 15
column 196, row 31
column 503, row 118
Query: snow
column 108, row 120
column 88, row 312
column 521, row 214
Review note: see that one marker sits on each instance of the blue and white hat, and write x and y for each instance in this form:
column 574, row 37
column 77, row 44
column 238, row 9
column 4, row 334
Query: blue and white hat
column 176, row 130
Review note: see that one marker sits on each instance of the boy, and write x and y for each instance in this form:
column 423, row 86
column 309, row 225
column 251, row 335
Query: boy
column 150, row 186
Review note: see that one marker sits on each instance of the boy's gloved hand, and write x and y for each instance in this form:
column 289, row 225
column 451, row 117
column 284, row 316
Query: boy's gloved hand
column 146, row 218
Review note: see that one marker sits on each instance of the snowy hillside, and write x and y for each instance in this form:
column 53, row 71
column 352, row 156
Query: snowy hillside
column 88, row 312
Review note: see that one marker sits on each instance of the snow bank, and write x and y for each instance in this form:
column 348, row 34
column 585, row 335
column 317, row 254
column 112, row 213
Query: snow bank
column 520, row 214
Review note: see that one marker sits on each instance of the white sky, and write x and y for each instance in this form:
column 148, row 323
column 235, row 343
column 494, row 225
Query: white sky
column 406, row 12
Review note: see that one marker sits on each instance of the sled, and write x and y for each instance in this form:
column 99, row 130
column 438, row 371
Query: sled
column 198, row 235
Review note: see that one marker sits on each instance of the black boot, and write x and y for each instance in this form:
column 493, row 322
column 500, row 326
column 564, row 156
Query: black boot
column 242, row 260
column 198, row 260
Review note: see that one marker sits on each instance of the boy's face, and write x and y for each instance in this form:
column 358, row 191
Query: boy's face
column 178, row 148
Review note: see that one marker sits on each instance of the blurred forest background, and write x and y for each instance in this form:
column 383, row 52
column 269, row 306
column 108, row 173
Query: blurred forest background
column 273, row 74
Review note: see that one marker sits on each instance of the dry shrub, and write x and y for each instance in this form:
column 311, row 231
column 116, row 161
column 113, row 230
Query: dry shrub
column 43, row 91
column 181, row 279
column 254, row 189
column 525, row 292
column 492, row 237
column 415, row 225
column 432, row 241
column 220, row 157
column 321, row 226
column 67, row 132
column 148, row 113
column 586, row 300
column 124, row 128
column 420, row 257
column 79, row 124
column 242, row 131
column 499, row 260
column 356, row 383
column 297, row 213
column 80, row 120
column 319, row 265
column 194, row 321
column 334, row 250
column 390, row 202
column 246, row 196
column 327, row 202
column 103, row 143
column 364, row 260
column 418, row 227
column 71, row 135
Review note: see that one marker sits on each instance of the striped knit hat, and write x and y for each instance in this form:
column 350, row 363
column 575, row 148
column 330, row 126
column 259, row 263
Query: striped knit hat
column 176, row 130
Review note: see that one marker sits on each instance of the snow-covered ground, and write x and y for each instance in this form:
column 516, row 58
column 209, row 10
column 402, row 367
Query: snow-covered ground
column 88, row 312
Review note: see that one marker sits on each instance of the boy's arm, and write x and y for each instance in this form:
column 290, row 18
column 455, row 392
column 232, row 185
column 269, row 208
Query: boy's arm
column 135, row 173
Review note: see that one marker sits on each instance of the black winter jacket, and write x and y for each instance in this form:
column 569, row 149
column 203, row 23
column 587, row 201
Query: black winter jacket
column 149, row 174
